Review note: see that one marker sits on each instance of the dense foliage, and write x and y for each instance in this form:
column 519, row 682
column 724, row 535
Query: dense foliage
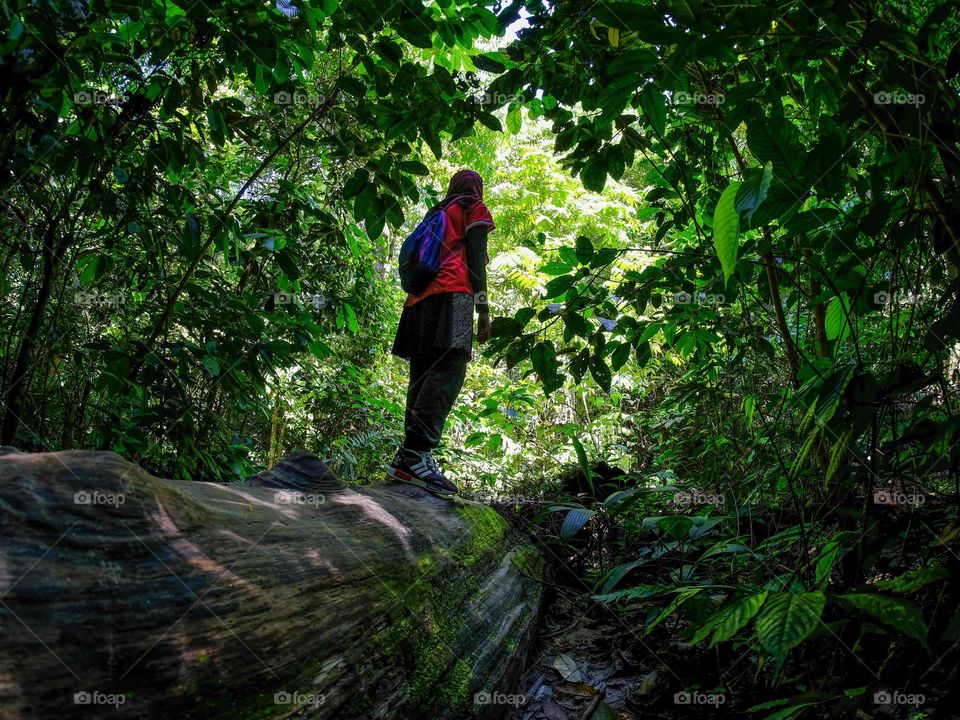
column 726, row 261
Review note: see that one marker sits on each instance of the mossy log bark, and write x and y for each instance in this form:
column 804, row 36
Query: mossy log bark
column 123, row 595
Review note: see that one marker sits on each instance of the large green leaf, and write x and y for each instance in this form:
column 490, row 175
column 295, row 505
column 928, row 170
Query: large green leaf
column 574, row 520
column 544, row 359
column 753, row 190
column 414, row 167
column 673, row 526
column 594, row 174
column 654, row 107
column 726, row 228
column 776, row 140
column 899, row 614
column 514, row 119
column 600, row 372
column 490, row 62
column 914, row 579
column 725, row 623
column 835, row 322
column 787, row 619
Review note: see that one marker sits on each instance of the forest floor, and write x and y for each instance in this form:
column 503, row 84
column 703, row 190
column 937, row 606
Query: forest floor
column 580, row 660
column 592, row 661
column 587, row 662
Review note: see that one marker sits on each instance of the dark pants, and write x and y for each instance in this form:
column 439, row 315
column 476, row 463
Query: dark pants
column 435, row 382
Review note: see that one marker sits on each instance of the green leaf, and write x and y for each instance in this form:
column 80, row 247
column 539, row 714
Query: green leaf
column 593, row 175
column 582, row 460
column 575, row 324
column 16, row 28
column 601, row 373
column 90, row 267
column 352, row 86
column 835, row 322
column 558, row 286
column 389, row 51
column 415, row 31
column 565, row 139
column 787, row 619
column 654, row 106
column 555, row 268
column 350, row 317
column 575, row 519
column 726, row 622
column 413, row 167
column 673, row 526
column 487, row 61
column 899, row 614
column 490, row 121
column 619, row 357
column 914, row 579
column 776, row 140
column 754, row 190
column 514, row 119
column 584, row 249
column 726, row 228
column 643, row 353
column 544, row 359
column 211, row 364
column 356, row 184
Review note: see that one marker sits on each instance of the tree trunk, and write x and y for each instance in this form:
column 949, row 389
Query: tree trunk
column 123, row 595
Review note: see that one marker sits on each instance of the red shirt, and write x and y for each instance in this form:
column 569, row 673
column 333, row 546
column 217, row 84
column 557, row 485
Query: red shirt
column 453, row 275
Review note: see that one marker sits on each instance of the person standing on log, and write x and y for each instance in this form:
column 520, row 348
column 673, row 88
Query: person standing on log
column 435, row 332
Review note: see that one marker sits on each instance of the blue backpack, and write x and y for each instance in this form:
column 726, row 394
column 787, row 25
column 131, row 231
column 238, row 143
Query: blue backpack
column 420, row 253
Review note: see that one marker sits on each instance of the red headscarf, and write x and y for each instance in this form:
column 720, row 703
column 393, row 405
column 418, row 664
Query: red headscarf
column 466, row 187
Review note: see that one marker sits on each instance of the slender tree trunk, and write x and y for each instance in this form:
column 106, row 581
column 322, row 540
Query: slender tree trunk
column 774, row 283
column 21, row 369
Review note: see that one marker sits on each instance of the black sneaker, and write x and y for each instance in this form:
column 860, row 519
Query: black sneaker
column 420, row 469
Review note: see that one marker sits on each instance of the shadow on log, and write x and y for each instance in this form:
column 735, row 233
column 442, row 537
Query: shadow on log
column 123, row 595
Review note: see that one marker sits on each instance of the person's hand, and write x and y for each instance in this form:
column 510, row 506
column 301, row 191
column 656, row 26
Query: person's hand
column 483, row 328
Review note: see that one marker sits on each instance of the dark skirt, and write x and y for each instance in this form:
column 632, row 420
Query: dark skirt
column 438, row 323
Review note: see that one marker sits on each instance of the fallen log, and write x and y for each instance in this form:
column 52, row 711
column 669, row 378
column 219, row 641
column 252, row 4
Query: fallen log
column 124, row 595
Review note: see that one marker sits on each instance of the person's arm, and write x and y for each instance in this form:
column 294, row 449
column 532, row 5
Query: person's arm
column 476, row 245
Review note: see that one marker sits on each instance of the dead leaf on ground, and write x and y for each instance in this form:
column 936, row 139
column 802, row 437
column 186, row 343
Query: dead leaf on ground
column 576, row 688
column 567, row 667
column 647, row 683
